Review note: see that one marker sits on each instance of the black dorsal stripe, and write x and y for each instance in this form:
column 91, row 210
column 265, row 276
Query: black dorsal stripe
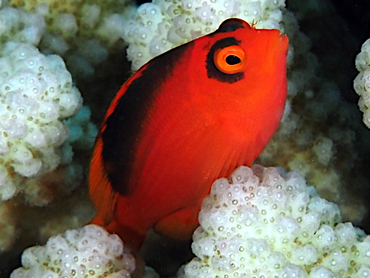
column 229, row 25
column 213, row 71
column 124, row 126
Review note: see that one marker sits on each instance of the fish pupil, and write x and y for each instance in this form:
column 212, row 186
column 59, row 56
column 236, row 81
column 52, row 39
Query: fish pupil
column 232, row 60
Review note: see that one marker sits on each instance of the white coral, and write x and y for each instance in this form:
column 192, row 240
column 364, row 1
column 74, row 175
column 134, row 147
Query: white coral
column 361, row 83
column 36, row 94
column 263, row 222
column 161, row 25
column 89, row 251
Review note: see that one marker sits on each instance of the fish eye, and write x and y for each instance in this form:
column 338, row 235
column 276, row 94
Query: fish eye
column 230, row 59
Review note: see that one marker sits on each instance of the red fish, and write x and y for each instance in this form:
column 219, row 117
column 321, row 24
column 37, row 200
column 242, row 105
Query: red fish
column 186, row 118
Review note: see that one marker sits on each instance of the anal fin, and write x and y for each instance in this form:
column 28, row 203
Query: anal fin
column 180, row 224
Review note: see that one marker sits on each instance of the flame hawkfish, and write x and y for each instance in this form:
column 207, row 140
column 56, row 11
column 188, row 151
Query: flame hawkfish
column 186, row 118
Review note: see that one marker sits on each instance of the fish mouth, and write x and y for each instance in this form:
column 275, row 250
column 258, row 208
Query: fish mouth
column 283, row 42
column 284, row 38
column 280, row 39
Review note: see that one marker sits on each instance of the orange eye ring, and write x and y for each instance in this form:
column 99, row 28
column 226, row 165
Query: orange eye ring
column 230, row 59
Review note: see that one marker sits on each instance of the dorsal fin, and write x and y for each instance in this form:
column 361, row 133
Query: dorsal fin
column 101, row 192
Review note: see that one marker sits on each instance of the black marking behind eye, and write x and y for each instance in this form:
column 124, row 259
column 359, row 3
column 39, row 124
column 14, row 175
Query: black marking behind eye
column 232, row 60
column 213, row 71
